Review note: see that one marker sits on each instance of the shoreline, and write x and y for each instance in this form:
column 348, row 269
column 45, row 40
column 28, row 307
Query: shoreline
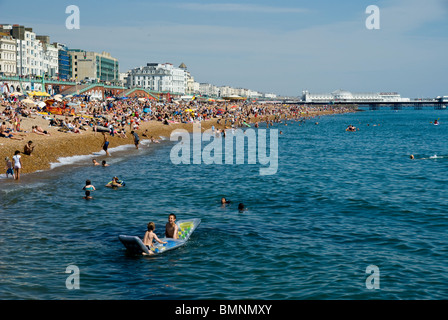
column 49, row 149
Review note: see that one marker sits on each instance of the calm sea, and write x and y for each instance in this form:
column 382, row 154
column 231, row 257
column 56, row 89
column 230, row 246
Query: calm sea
column 339, row 203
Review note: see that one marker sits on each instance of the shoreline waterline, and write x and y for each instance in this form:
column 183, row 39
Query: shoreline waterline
column 60, row 149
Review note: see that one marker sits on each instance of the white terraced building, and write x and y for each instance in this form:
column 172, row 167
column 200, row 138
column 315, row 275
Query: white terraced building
column 346, row 96
column 34, row 55
column 158, row 77
column 8, row 56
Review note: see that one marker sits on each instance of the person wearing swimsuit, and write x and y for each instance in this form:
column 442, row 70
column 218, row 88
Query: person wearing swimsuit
column 171, row 228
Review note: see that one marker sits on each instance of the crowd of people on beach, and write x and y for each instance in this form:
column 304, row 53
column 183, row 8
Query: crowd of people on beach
column 118, row 116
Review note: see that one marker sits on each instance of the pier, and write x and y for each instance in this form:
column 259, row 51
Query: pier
column 377, row 105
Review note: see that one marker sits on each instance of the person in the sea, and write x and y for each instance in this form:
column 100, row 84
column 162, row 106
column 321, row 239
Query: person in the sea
column 241, row 207
column 87, row 196
column 28, row 148
column 104, row 164
column 171, row 228
column 115, row 183
column 8, row 167
column 95, row 163
column 150, row 236
column 89, row 186
column 224, row 202
column 17, row 164
column 105, row 144
column 412, row 157
column 136, row 139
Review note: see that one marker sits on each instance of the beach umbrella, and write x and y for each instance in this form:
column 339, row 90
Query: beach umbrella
column 16, row 94
column 39, row 94
column 28, row 101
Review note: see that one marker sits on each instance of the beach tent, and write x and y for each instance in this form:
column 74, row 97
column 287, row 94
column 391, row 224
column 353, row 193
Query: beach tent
column 58, row 110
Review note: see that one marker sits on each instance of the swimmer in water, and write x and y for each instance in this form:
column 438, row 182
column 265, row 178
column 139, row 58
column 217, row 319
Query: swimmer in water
column 95, row 163
column 224, row 202
column 412, row 157
column 89, row 186
column 115, row 183
column 171, row 228
column 87, row 196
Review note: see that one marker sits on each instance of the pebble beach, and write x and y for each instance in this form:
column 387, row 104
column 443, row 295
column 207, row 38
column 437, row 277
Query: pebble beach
column 57, row 144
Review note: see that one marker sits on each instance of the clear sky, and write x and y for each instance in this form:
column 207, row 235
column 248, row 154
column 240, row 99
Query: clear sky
column 281, row 46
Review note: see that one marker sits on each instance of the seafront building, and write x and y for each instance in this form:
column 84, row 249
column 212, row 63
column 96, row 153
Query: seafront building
column 63, row 61
column 50, row 59
column 29, row 56
column 29, row 51
column 92, row 66
column 346, row 96
column 34, row 55
column 8, row 56
column 162, row 77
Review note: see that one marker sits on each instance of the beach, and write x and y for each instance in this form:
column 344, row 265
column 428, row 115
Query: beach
column 59, row 144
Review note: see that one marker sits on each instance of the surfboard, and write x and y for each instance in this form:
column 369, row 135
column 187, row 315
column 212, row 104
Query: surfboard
column 135, row 245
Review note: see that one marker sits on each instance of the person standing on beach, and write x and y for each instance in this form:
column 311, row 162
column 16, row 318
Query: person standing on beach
column 136, row 139
column 17, row 164
column 105, row 144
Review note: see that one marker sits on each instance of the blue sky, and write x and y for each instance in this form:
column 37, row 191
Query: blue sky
column 282, row 47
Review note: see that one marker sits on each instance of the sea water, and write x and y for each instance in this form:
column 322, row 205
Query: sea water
column 340, row 205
